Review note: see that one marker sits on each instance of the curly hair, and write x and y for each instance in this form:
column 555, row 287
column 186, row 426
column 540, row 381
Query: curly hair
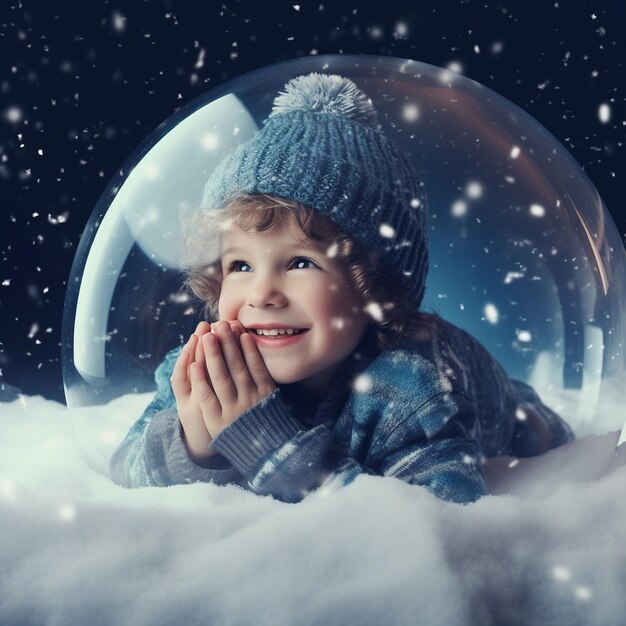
column 379, row 292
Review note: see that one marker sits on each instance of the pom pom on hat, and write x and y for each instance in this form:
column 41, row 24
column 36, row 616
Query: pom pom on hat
column 326, row 93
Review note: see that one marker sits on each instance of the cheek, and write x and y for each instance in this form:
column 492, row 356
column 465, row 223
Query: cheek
column 341, row 301
column 324, row 301
column 227, row 306
column 340, row 315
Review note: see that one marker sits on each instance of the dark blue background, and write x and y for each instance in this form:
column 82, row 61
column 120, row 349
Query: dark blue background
column 86, row 93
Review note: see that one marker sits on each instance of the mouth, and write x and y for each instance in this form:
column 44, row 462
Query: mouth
column 277, row 332
column 275, row 338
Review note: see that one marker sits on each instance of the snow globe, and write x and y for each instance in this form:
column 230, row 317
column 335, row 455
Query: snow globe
column 523, row 253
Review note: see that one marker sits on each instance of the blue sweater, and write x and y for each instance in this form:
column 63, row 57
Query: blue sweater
column 427, row 412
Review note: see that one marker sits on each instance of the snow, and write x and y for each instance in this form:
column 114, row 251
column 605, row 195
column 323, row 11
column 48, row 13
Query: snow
column 77, row 549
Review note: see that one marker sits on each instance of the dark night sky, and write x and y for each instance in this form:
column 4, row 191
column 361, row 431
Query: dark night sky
column 83, row 83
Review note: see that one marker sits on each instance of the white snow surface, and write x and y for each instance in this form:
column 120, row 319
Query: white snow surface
column 76, row 549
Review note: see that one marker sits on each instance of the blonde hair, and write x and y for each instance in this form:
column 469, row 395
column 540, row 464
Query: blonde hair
column 380, row 293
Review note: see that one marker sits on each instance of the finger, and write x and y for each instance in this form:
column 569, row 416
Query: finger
column 199, row 351
column 219, row 374
column 203, row 393
column 196, row 351
column 192, row 347
column 231, row 352
column 237, row 327
column 180, row 379
column 256, row 365
column 201, row 329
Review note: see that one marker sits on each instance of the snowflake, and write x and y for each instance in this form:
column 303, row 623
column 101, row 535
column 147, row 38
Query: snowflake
column 491, row 312
column 561, row 573
column 210, row 141
column 374, row 310
column 583, row 593
column 119, row 22
column 385, row 230
column 410, row 112
column 331, row 253
column 474, row 190
column 338, row 323
column 363, row 383
column 459, row 208
column 13, row 114
column 604, row 113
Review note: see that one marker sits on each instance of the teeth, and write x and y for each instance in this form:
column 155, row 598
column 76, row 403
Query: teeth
column 275, row 331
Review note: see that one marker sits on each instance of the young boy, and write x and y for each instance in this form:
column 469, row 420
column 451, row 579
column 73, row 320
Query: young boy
column 322, row 366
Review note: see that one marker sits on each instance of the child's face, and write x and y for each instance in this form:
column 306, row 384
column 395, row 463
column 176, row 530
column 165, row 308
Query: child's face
column 274, row 280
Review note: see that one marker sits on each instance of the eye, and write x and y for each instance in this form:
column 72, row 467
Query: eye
column 238, row 266
column 298, row 261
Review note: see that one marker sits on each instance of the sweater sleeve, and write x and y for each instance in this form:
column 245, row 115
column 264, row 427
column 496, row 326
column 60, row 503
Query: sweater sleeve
column 436, row 447
column 153, row 452
column 274, row 452
column 279, row 457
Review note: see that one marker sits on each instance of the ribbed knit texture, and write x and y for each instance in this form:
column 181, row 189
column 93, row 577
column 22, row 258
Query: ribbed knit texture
column 345, row 170
column 253, row 437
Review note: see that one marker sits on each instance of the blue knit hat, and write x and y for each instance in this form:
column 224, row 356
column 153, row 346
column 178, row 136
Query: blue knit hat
column 322, row 146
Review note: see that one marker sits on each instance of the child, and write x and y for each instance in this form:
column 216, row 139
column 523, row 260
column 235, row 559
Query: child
column 322, row 230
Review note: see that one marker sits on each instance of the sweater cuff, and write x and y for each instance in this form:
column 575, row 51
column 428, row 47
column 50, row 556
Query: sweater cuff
column 164, row 439
column 256, row 433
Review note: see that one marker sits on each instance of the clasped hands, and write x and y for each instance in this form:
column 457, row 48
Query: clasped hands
column 219, row 375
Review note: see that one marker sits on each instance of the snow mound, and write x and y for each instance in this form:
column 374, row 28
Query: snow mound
column 77, row 549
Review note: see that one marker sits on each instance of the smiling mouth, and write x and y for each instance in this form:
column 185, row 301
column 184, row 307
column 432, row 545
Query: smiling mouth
column 288, row 332
column 277, row 340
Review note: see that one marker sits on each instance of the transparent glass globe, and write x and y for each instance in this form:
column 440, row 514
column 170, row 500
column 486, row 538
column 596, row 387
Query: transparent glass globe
column 523, row 253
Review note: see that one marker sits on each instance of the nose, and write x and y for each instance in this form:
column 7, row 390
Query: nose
column 266, row 290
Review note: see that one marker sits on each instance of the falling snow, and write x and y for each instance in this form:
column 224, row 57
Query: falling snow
column 511, row 276
column 410, row 112
column 363, row 383
column 75, row 106
column 604, row 113
column 210, row 141
column 474, row 190
column 119, row 22
column 374, row 310
column 536, row 210
column 491, row 313
column 13, row 114
column 459, row 208
column 561, row 573
column 387, row 231
column 497, row 47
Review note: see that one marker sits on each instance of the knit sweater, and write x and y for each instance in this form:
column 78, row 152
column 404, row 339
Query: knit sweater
column 427, row 412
